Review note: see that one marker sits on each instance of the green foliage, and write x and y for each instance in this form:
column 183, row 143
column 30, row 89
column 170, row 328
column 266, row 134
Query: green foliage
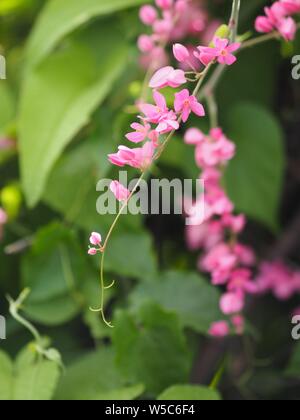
column 53, row 271
column 60, row 18
column 28, row 379
column 194, row 300
column 64, row 100
column 189, row 392
column 83, row 382
column 254, row 178
column 150, row 347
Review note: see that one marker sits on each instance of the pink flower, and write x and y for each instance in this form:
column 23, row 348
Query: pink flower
column 222, row 52
column 291, row 6
column 148, row 15
column 241, row 281
column 181, row 53
column 263, row 24
column 185, row 104
column 164, row 4
column 95, row 239
column 145, row 43
column 92, row 251
column 194, row 136
column 216, row 150
column 119, row 191
column 140, row 158
column 287, row 28
column 235, row 223
column 232, row 303
column 140, row 134
column 219, row 329
column 167, row 76
column 220, row 261
column 245, row 255
column 160, row 114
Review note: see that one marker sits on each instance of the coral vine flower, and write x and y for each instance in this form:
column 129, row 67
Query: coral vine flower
column 232, row 303
column 140, row 158
column 160, row 114
column 181, row 53
column 95, row 240
column 140, row 134
column 276, row 18
column 219, row 329
column 215, row 150
column 185, row 104
column 167, row 76
column 119, row 191
column 222, row 52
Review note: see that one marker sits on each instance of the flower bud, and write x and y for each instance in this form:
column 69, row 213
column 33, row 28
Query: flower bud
column 181, row 53
column 148, row 15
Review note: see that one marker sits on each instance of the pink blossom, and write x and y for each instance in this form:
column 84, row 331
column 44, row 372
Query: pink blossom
column 185, row 104
column 92, row 251
column 232, row 303
column 194, row 136
column 241, row 281
column 219, row 261
column 140, row 134
column 148, row 15
column 216, row 150
column 140, row 158
column 145, row 43
column 120, row 192
column 95, row 239
column 291, row 6
column 181, row 53
column 287, row 28
column 222, row 52
column 219, row 329
column 206, row 235
column 245, row 254
column 235, row 223
column 164, row 4
column 160, row 114
column 167, row 76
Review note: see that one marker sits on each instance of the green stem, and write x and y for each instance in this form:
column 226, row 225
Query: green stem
column 234, row 19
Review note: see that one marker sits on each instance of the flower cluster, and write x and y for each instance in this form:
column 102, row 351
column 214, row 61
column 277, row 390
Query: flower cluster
column 227, row 260
column 96, row 242
column 277, row 278
column 278, row 18
column 3, row 221
column 171, row 21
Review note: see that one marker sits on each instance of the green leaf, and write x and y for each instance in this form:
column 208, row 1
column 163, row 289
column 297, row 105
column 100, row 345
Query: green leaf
column 254, row 178
column 95, row 377
column 131, row 255
column 189, row 393
column 151, row 348
column 57, row 102
column 6, row 377
column 7, row 107
column 53, row 270
column 193, row 299
column 28, row 379
column 293, row 369
column 60, row 18
column 36, row 382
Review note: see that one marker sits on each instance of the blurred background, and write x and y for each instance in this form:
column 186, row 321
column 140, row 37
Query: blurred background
column 73, row 74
